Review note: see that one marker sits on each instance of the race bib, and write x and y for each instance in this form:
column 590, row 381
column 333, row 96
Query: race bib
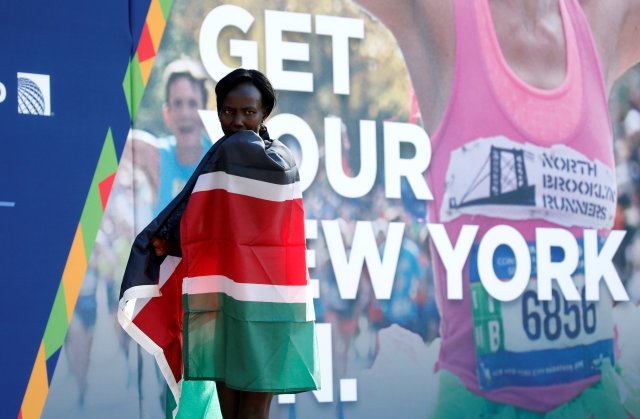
column 528, row 342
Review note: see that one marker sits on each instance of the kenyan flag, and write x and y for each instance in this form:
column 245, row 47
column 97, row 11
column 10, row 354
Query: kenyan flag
column 246, row 301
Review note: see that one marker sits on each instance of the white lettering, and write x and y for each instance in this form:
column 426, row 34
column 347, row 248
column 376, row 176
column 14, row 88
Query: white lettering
column 211, row 124
column 325, row 394
column 323, row 333
column 413, row 169
column 453, row 257
column 348, row 271
column 311, row 233
column 561, row 271
column 286, row 123
column 513, row 288
column 349, row 264
column 277, row 50
column 340, row 29
column 361, row 184
column 212, row 25
column 599, row 265
column 494, row 335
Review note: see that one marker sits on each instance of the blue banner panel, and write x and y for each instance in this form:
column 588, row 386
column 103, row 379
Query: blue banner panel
column 61, row 76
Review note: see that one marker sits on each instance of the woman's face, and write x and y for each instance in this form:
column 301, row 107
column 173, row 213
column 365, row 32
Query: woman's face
column 241, row 109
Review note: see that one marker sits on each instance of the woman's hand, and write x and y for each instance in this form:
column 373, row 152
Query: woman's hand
column 164, row 247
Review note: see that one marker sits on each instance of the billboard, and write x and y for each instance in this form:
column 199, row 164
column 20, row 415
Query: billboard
column 411, row 238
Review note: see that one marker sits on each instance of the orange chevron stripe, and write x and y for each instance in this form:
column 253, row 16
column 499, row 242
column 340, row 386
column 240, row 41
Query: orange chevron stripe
column 156, row 23
column 145, row 69
column 37, row 388
column 74, row 272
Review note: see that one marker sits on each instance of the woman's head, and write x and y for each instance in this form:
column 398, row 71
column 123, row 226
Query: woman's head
column 244, row 99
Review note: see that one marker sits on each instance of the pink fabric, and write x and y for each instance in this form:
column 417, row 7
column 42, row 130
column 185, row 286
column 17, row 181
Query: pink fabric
column 489, row 100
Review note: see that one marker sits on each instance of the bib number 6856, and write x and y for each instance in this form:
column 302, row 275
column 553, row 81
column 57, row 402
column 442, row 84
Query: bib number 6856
column 557, row 316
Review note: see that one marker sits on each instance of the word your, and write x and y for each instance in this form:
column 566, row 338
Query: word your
column 396, row 167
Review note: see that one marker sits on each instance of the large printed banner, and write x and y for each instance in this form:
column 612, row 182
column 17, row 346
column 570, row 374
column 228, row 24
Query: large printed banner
column 141, row 75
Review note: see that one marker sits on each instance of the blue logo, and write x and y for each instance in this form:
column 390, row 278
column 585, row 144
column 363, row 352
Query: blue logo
column 34, row 94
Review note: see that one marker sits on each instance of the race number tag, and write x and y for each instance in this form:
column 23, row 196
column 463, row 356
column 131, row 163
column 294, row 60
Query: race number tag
column 528, row 342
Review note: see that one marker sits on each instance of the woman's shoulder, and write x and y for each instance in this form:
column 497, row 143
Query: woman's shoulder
column 249, row 149
column 615, row 27
column 404, row 16
column 281, row 154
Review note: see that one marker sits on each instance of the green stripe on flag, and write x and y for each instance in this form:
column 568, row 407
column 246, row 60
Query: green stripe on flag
column 57, row 324
column 279, row 357
column 245, row 310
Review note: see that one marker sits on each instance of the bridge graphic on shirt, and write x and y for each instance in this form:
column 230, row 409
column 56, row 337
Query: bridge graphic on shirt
column 508, row 184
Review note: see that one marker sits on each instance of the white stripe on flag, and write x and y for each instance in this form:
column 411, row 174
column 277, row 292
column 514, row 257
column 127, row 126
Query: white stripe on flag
column 144, row 293
column 248, row 187
column 167, row 267
column 245, row 292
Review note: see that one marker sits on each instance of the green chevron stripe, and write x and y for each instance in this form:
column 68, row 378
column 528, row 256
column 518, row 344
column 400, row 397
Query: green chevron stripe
column 165, row 5
column 57, row 324
column 133, row 85
column 92, row 212
column 126, row 86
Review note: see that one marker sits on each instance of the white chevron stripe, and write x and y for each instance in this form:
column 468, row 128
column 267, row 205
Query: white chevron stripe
column 246, row 292
column 248, row 187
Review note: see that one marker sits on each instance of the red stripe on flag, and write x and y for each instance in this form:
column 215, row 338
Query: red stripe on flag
column 236, row 236
column 269, row 265
column 242, row 219
column 161, row 320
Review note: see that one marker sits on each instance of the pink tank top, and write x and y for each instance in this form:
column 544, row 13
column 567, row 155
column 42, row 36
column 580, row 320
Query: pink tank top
column 509, row 153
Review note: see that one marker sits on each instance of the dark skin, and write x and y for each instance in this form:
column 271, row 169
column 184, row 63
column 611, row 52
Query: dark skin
column 241, row 109
column 165, row 247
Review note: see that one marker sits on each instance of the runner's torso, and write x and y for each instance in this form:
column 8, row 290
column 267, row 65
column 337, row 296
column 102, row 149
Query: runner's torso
column 538, row 158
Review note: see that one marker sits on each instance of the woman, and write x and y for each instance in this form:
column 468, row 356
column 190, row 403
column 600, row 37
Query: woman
column 239, row 228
